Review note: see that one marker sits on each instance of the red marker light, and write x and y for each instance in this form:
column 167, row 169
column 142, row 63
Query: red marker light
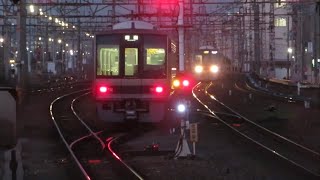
column 103, row 89
column 185, row 83
column 159, row 89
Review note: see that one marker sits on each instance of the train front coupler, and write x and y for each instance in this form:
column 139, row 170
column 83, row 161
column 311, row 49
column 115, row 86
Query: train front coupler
column 130, row 111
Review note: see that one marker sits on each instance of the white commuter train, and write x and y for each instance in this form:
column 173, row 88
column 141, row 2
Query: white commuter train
column 133, row 72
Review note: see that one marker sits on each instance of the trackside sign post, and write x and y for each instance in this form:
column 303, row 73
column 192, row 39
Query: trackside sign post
column 194, row 135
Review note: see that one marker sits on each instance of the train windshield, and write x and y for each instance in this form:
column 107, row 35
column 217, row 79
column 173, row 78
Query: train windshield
column 107, row 56
column 207, row 59
column 144, row 58
column 154, row 56
column 108, row 60
column 131, row 62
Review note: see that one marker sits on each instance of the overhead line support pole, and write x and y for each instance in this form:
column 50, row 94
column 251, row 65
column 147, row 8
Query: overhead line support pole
column 181, row 36
column 22, row 54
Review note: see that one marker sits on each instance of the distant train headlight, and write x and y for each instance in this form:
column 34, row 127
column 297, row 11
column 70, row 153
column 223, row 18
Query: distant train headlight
column 198, row 69
column 214, row 69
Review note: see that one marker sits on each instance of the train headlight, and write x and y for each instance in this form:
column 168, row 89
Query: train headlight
column 214, row 69
column 198, row 69
column 181, row 108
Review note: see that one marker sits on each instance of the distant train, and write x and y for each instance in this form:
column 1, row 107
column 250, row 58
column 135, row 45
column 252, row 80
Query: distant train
column 133, row 72
column 209, row 64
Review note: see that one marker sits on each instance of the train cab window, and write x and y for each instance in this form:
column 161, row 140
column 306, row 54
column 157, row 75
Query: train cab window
column 131, row 62
column 155, row 56
column 154, row 65
column 108, row 61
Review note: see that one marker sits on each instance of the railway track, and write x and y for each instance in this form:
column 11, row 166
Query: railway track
column 91, row 149
column 292, row 152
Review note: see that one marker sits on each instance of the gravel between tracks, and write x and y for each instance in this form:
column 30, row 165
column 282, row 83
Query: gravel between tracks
column 221, row 154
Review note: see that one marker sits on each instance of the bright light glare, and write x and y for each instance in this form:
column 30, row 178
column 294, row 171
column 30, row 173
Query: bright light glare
column 214, row 52
column 185, row 83
column 1, row 40
column 181, row 108
column 290, row 50
column 159, row 89
column 214, row 68
column 198, row 69
column 103, row 89
column 31, row 8
column 176, row 83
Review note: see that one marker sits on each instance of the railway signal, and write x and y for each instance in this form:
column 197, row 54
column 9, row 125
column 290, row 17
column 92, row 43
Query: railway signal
column 182, row 109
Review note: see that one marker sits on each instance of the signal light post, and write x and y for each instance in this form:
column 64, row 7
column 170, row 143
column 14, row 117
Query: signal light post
column 182, row 110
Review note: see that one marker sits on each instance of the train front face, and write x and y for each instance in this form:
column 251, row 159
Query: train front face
column 132, row 80
column 208, row 69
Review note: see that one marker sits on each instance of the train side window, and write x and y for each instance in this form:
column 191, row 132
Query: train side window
column 108, row 61
column 131, row 62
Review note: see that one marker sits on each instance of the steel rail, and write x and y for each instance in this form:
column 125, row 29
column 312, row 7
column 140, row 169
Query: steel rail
column 265, row 129
column 118, row 157
column 82, row 138
column 260, row 127
column 83, row 123
column 84, row 172
column 101, row 141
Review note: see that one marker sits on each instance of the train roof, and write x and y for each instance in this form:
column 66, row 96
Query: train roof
column 131, row 27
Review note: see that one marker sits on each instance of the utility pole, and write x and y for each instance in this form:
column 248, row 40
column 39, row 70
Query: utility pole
column 271, row 71
column 181, row 36
column 288, row 45
column 22, row 54
column 113, row 12
column 316, row 41
column 140, row 8
column 79, row 54
column 46, row 49
column 256, row 29
column 6, row 46
column 232, row 36
column 302, row 41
